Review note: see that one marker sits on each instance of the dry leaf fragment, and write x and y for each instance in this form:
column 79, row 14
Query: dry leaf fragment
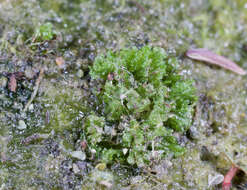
column 12, row 83
column 36, row 87
column 210, row 57
column 60, row 62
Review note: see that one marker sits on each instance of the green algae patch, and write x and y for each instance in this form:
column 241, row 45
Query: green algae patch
column 145, row 101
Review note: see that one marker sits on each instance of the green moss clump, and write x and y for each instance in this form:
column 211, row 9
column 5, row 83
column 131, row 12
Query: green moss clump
column 44, row 32
column 145, row 101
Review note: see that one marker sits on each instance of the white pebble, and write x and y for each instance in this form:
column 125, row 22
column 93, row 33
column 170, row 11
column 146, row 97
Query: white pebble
column 21, row 125
column 78, row 154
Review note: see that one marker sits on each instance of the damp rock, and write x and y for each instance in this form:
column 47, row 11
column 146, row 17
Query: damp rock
column 79, row 155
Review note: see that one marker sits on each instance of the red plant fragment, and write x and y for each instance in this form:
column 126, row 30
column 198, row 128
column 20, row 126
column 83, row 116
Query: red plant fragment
column 83, row 145
column 110, row 76
column 12, row 83
column 19, row 75
column 210, row 57
column 226, row 185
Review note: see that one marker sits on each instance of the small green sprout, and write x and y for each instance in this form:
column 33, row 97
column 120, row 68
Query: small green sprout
column 145, row 101
column 44, row 32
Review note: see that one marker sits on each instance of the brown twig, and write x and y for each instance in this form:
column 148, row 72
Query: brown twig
column 41, row 73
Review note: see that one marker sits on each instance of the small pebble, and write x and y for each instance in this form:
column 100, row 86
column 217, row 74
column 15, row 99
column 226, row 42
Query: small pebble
column 78, row 62
column 82, row 166
column 193, row 133
column 19, row 40
column 29, row 73
column 78, row 154
column 125, row 150
column 76, row 170
column 80, row 73
column 3, row 82
column 21, row 125
column 31, row 107
column 215, row 180
column 136, row 179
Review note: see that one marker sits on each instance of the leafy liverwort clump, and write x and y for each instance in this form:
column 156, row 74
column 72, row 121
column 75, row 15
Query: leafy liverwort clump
column 44, row 32
column 145, row 101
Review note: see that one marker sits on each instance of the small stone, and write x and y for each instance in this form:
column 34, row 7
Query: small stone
column 193, row 133
column 3, row 82
column 78, row 154
column 214, row 180
column 78, row 62
column 31, row 107
column 29, row 73
column 21, row 125
column 136, row 179
column 76, row 170
column 82, row 166
column 80, row 73
column 19, row 40
column 125, row 150
column 83, row 63
column 84, row 84
column 93, row 151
